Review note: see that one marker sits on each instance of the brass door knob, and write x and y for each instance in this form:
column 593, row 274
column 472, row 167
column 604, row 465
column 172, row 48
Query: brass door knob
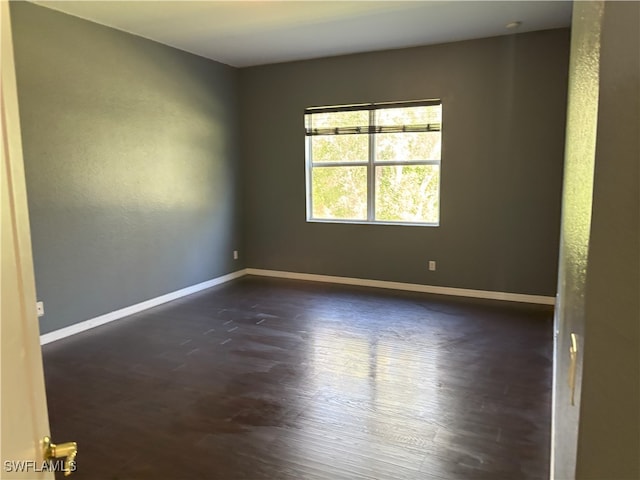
column 68, row 451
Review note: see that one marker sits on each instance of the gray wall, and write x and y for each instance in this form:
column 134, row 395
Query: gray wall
column 131, row 164
column 504, row 102
column 609, row 431
column 136, row 189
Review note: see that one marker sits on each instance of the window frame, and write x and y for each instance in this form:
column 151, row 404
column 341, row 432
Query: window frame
column 371, row 163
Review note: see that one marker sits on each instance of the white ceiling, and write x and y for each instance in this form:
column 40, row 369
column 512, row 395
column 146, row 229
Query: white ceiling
column 245, row 33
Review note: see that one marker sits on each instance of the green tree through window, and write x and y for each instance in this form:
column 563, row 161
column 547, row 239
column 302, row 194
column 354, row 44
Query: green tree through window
column 374, row 163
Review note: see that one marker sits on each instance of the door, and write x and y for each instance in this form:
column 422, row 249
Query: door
column 580, row 151
column 23, row 407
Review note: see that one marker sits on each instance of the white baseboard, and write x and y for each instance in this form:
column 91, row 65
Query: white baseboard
column 138, row 307
column 363, row 282
column 412, row 287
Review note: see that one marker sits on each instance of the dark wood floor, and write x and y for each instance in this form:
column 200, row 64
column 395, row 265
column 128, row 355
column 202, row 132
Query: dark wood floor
column 274, row 379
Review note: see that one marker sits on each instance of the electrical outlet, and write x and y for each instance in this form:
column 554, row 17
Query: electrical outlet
column 235, row 254
column 40, row 308
column 432, row 265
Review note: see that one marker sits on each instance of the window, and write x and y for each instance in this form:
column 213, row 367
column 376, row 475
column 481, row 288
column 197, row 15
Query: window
column 374, row 163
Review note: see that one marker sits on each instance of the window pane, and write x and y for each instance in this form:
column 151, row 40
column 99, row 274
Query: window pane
column 409, row 115
column 339, row 193
column 408, row 193
column 357, row 118
column 403, row 147
column 340, row 148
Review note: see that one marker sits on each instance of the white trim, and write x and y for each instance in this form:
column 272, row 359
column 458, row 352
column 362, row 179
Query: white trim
column 411, row 287
column 554, row 391
column 138, row 307
column 372, row 222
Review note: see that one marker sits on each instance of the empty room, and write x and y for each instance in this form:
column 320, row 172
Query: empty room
column 320, row 240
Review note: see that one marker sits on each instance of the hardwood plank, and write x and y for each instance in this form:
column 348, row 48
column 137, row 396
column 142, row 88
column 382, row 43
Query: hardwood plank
column 274, row 379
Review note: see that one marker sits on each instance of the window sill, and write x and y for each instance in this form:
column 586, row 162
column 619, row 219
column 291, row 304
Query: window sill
column 365, row 222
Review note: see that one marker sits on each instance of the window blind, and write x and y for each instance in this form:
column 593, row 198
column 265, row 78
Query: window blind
column 370, row 128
